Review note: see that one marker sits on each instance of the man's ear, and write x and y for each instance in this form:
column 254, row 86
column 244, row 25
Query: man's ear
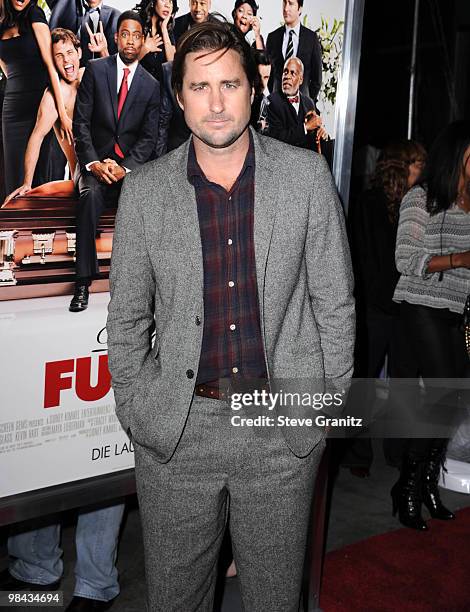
column 180, row 103
column 79, row 51
column 301, row 80
column 115, row 37
column 252, row 96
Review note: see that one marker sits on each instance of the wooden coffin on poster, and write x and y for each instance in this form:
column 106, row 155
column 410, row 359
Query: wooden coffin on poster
column 37, row 243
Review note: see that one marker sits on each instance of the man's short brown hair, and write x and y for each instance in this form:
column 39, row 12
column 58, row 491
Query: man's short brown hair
column 61, row 34
column 212, row 35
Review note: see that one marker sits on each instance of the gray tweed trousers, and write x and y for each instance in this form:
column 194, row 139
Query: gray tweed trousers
column 184, row 505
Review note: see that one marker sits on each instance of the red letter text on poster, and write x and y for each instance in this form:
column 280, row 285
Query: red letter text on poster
column 83, row 387
column 54, row 382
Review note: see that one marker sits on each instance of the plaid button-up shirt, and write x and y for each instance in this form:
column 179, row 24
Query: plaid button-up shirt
column 232, row 345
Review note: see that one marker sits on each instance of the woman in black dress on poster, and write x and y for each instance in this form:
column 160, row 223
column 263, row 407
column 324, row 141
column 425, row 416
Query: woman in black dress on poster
column 26, row 60
column 159, row 46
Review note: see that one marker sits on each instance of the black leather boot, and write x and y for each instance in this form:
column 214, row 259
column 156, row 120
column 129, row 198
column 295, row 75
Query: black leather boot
column 79, row 301
column 406, row 495
column 432, row 470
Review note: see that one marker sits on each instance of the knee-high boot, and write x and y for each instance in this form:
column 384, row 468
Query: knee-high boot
column 406, row 494
column 431, row 497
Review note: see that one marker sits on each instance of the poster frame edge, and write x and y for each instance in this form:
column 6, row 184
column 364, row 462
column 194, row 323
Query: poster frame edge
column 66, row 496
column 346, row 102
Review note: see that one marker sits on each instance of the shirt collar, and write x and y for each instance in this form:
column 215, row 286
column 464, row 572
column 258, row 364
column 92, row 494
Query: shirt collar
column 86, row 6
column 296, row 30
column 293, row 95
column 121, row 65
column 195, row 170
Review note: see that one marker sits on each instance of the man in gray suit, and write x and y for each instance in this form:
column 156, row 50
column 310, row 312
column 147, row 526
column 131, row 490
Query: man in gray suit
column 232, row 249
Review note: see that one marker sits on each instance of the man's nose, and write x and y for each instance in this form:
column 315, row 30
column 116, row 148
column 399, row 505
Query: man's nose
column 216, row 101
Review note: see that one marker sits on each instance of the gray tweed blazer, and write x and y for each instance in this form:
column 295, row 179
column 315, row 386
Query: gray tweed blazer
column 304, row 283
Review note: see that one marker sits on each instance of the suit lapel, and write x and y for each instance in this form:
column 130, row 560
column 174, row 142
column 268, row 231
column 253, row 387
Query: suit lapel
column 105, row 13
column 278, row 45
column 79, row 12
column 188, row 222
column 304, row 107
column 111, row 74
column 266, row 193
column 302, row 50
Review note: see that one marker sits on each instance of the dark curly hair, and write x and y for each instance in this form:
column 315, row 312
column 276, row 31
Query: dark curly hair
column 9, row 17
column 445, row 165
column 146, row 10
column 391, row 174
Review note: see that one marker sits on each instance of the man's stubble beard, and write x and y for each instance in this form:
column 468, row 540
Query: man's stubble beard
column 229, row 140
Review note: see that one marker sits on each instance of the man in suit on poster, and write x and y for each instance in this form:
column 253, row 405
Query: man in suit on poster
column 232, row 250
column 295, row 40
column 115, row 127
column 291, row 114
column 95, row 25
column 101, row 20
column 198, row 13
column 172, row 128
column 259, row 107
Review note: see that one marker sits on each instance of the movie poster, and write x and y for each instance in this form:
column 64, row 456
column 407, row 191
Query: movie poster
column 57, row 421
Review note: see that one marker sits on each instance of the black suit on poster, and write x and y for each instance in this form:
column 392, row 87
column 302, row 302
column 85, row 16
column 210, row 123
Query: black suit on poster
column 172, row 128
column 309, row 51
column 285, row 124
column 69, row 14
column 97, row 129
column 182, row 25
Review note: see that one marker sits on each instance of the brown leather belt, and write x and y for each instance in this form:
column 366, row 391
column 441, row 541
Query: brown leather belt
column 213, row 391
column 210, row 392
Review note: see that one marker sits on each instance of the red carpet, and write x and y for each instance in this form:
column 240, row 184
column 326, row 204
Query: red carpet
column 403, row 571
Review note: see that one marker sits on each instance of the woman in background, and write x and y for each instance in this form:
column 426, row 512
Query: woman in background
column 159, row 44
column 374, row 233
column 245, row 19
column 433, row 259
column 26, row 60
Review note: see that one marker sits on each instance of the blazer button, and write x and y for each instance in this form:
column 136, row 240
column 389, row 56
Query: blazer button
column 198, row 321
column 189, row 373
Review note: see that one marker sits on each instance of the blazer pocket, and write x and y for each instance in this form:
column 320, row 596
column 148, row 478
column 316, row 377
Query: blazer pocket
column 150, row 370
